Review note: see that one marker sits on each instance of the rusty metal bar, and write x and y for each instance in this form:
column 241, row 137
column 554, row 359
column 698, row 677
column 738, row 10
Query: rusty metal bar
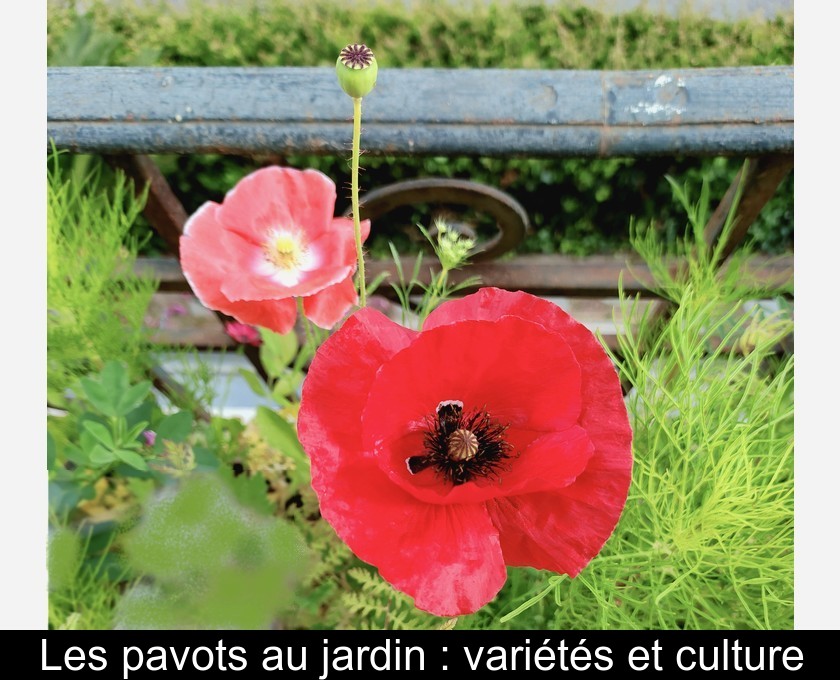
column 511, row 218
column 761, row 177
column 756, row 181
column 487, row 112
column 163, row 209
column 562, row 275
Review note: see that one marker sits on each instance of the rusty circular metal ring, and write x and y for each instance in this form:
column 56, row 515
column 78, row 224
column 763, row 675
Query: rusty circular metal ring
column 511, row 218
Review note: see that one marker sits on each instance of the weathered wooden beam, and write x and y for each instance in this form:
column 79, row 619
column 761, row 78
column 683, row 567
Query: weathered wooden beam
column 717, row 111
column 594, row 276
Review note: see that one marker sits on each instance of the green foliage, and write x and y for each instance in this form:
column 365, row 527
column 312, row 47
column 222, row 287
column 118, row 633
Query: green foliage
column 95, row 304
column 213, row 563
column 83, row 593
column 576, row 206
column 97, row 452
column 706, row 537
column 452, row 251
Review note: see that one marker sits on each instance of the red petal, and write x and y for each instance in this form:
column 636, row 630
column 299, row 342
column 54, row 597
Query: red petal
column 448, row 558
column 549, row 461
column 327, row 307
column 277, row 197
column 600, row 492
column 560, row 530
column 524, row 376
column 445, row 556
column 336, row 389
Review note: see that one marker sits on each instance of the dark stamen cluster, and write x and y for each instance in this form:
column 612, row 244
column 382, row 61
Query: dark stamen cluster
column 462, row 446
column 356, row 56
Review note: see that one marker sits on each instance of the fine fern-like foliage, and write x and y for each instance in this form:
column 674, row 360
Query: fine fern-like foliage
column 95, row 303
column 706, row 537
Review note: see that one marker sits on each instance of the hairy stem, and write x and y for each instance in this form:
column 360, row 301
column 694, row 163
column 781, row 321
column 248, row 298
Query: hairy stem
column 354, row 197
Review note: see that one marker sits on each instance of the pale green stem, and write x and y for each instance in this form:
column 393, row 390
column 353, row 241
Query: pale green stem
column 307, row 329
column 354, row 196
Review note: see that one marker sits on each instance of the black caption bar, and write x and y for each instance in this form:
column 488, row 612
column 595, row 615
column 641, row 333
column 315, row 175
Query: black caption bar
column 321, row 655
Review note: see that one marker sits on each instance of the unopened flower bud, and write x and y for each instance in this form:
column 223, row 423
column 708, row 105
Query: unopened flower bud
column 356, row 70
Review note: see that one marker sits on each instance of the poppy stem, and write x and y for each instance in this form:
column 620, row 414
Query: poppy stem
column 307, row 328
column 354, row 196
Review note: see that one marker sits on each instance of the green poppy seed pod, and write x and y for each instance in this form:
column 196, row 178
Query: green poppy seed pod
column 356, row 70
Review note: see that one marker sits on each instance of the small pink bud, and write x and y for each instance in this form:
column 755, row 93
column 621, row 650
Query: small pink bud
column 241, row 332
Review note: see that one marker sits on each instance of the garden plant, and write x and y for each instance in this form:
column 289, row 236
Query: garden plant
column 451, row 460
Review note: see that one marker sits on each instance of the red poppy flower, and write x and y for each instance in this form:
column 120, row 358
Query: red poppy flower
column 271, row 240
column 496, row 436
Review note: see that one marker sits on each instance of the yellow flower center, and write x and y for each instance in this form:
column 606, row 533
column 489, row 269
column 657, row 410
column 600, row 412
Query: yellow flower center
column 284, row 251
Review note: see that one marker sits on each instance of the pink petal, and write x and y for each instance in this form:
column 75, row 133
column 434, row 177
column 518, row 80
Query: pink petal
column 275, row 197
column 328, row 306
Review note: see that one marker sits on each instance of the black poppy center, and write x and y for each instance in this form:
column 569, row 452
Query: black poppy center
column 356, row 56
column 462, row 445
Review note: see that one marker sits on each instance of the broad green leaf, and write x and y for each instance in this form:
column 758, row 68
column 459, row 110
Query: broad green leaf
column 76, row 455
column 280, row 435
column 136, row 431
column 286, row 384
column 131, row 458
column 100, row 456
column 257, row 386
column 114, row 379
column 277, row 351
column 205, row 459
column 100, row 432
column 98, row 396
column 133, row 396
column 175, row 427
column 140, row 413
column 87, row 441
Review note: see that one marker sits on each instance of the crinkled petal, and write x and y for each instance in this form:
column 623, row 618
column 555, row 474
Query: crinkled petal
column 252, row 278
column 328, row 306
column 521, row 374
column 338, row 244
column 336, row 388
column 279, row 198
column 447, row 558
column 547, row 461
column 524, row 376
column 560, row 530
column 206, row 263
column 593, row 503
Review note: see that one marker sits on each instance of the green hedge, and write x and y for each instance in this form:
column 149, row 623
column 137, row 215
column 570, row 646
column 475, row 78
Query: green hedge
column 576, row 206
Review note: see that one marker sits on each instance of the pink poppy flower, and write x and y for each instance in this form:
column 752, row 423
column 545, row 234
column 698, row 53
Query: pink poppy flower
column 496, row 436
column 243, row 333
column 273, row 239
